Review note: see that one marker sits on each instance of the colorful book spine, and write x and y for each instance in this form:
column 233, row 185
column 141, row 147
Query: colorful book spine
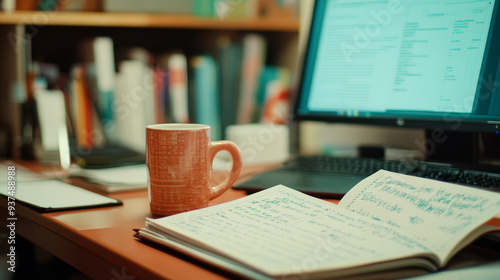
column 229, row 57
column 97, row 54
column 254, row 53
column 48, row 5
column 177, row 69
column 81, row 109
column 135, row 104
column 161, row 95
column 104, row 60
column 272, row 96
column 206, row 93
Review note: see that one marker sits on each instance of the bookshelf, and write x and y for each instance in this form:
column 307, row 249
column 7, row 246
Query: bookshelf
column 54, row 37
column 101, row 19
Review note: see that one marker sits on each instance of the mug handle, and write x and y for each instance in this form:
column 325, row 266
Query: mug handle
column 229, row 146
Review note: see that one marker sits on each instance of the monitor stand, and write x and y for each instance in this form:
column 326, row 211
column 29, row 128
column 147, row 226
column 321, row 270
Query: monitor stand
column 471, row 150
column 452, row 146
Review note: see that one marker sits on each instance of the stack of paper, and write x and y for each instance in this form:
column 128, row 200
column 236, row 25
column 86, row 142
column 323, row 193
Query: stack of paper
column 116, row 179
column 47, row 195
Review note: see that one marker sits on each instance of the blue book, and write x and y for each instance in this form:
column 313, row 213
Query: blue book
column 229, row 58
column 206, row 93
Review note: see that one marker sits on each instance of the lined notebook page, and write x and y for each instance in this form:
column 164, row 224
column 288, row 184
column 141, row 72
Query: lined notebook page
column 282, row 231
column 437, row 213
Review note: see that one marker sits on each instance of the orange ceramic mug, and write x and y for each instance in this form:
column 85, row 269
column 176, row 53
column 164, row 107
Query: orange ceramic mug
column 179, row 163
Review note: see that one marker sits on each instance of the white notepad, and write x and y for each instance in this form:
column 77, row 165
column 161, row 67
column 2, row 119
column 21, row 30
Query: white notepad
column 54, row 195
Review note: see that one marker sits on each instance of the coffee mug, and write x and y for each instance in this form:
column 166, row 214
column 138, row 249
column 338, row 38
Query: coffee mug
column 179, row 163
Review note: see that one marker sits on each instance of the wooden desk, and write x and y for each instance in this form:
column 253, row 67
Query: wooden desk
column 99, row 242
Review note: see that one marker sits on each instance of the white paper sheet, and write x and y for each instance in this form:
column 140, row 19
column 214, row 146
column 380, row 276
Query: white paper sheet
column 53, row 194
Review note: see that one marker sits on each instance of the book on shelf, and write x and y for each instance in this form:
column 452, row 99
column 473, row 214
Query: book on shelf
column 253, row 60
column 279, row 8
column 275, row 109
column 86, row 126
column 57, row 5
column 176, row 63
column 203, row 8
column 229, row 57
column 97, row 55
column 8, row 5
column 244, row 9
column 206, row 93
column 74, row 5
column 223, row 9
column 24, row 5
column 388, row 224
column 272, row 95
column 162, row 101
column 47, row 5
column 148, row 6
column 235, row 9
column 135, row 101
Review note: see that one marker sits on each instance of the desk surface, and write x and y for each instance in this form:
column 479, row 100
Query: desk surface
column 100, row 243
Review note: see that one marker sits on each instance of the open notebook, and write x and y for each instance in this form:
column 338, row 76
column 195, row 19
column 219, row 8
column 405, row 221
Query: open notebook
column 388, row 226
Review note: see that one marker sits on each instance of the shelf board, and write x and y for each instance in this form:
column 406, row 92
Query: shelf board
column 101, row 19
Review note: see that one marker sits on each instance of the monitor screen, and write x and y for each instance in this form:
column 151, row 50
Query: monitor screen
column 405, row 63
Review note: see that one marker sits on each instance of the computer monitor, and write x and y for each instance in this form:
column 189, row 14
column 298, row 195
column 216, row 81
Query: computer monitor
column 423, row 64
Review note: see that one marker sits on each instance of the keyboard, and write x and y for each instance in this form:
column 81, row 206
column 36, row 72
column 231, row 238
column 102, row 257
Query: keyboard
column 368, row 166
column 332, row 177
